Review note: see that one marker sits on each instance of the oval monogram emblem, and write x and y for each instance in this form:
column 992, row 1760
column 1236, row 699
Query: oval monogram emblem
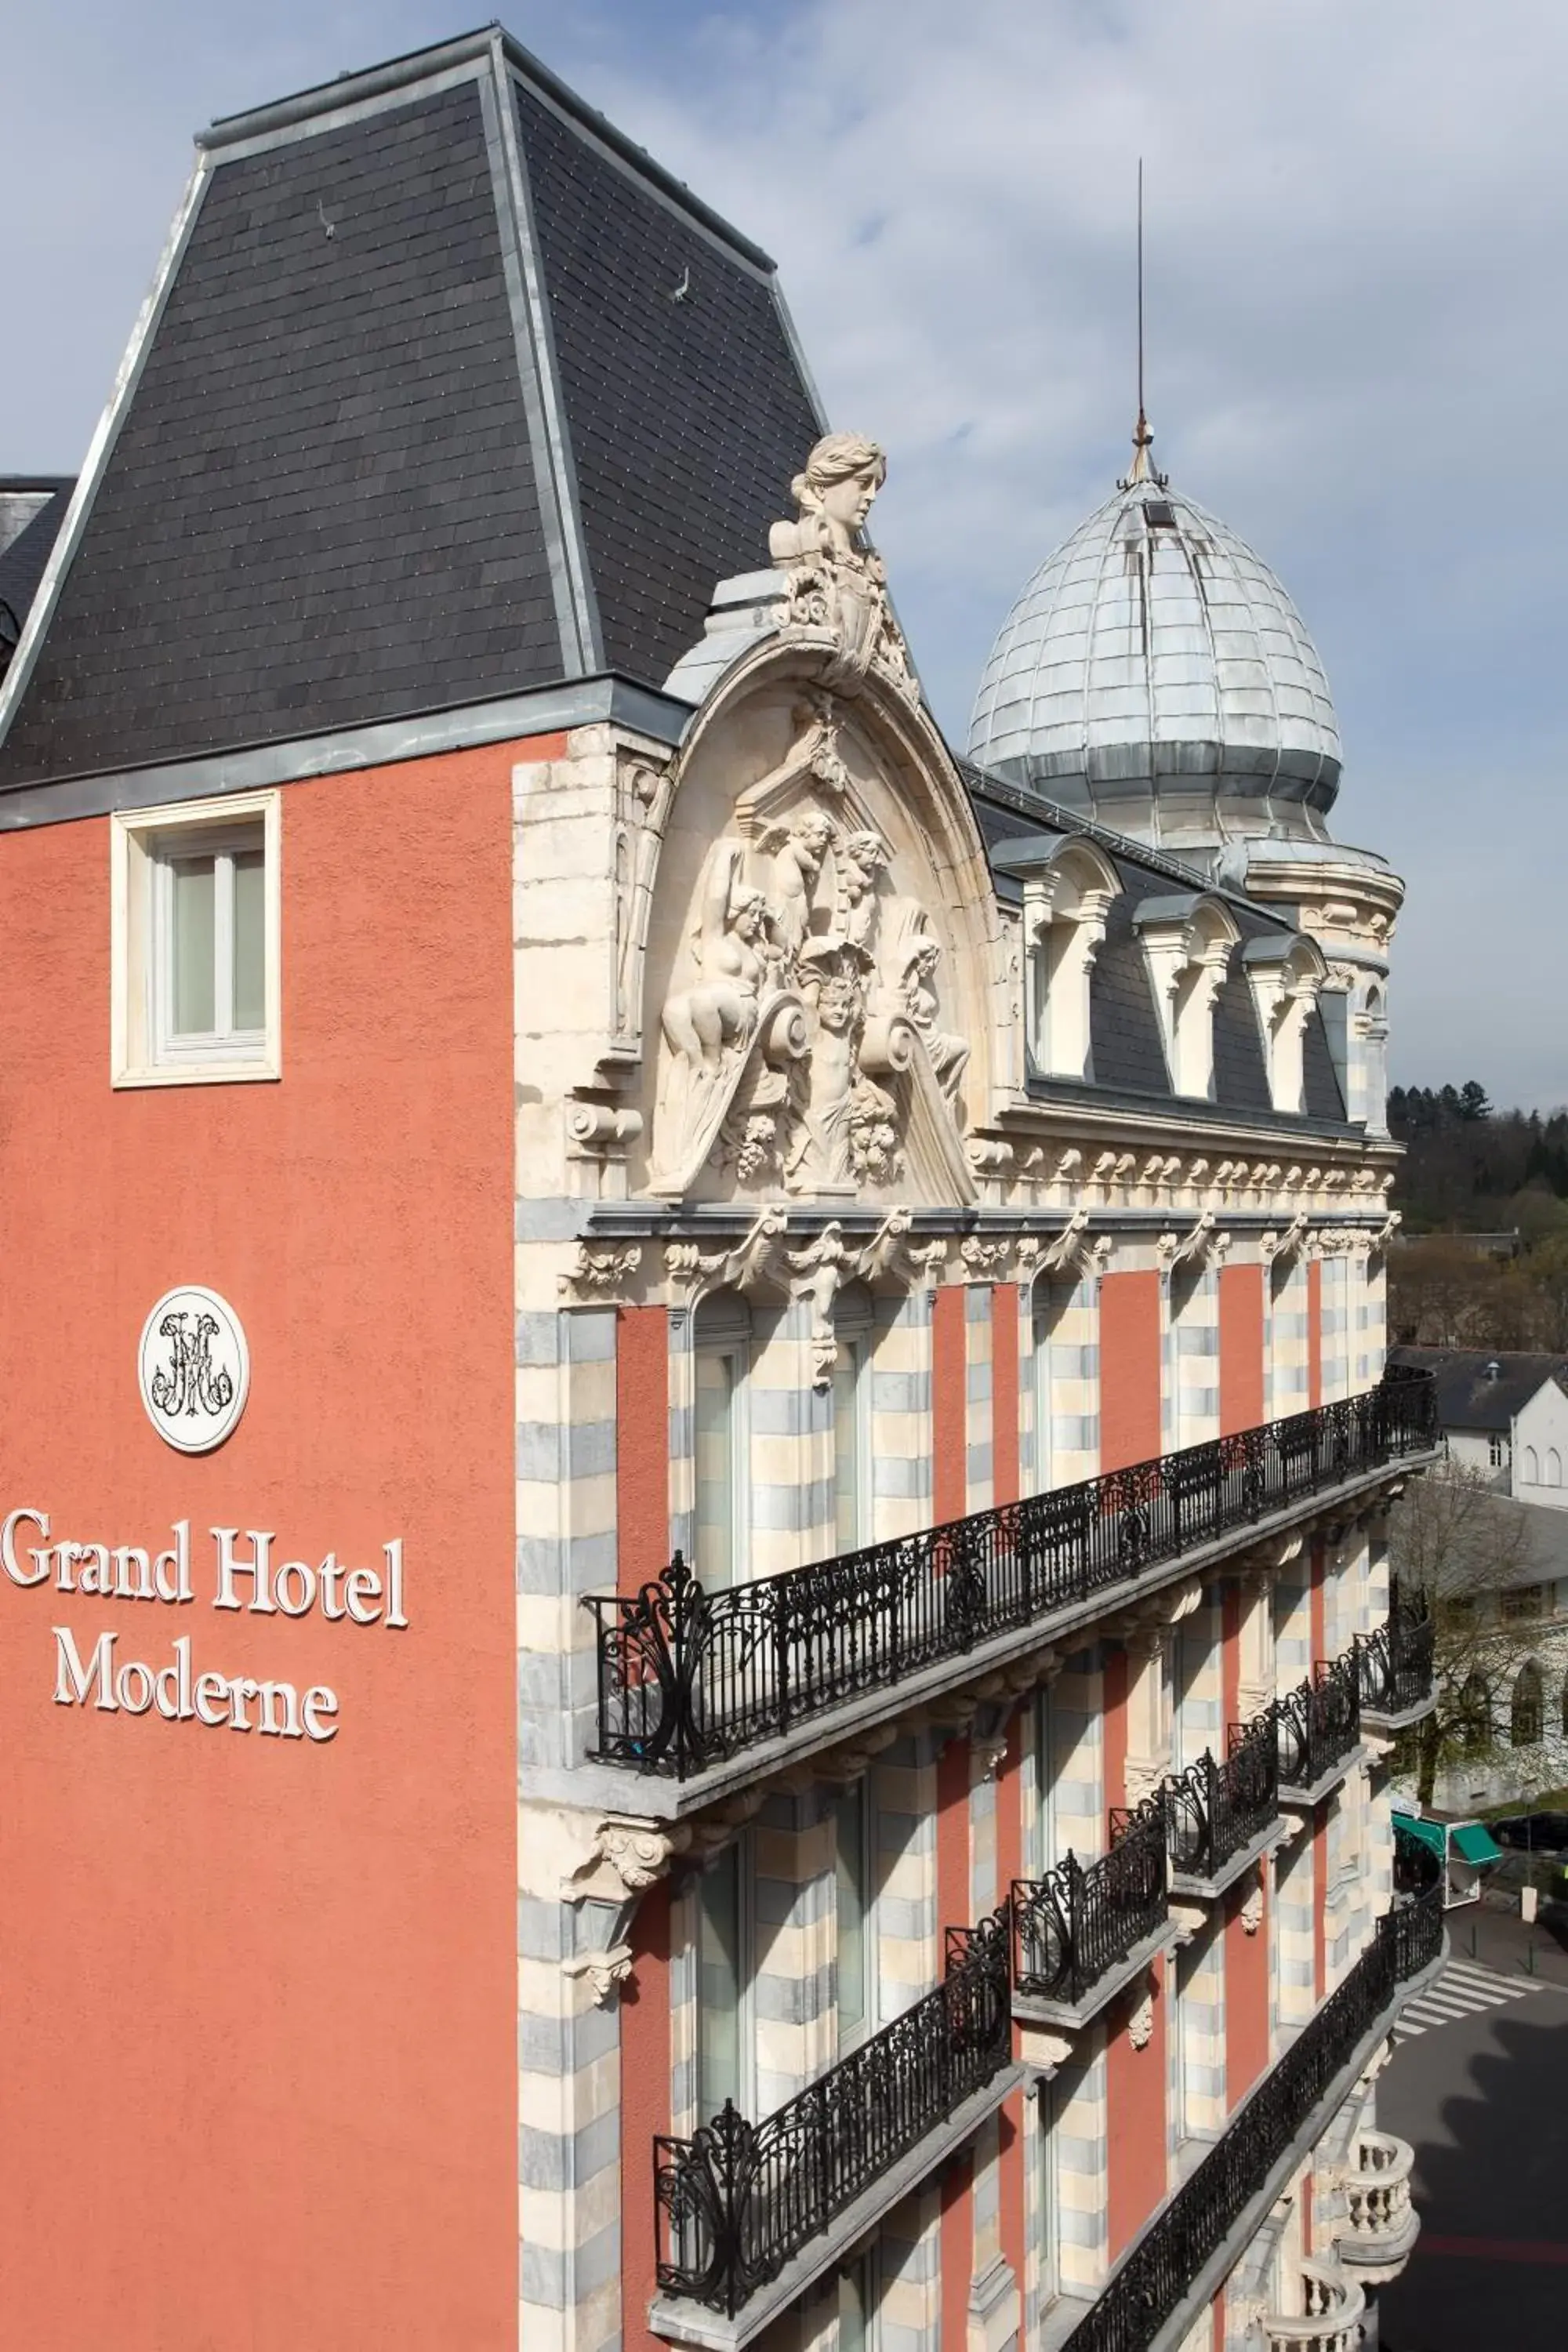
column 194, row 1369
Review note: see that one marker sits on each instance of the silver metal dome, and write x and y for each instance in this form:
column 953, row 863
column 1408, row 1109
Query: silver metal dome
column 1154, row 672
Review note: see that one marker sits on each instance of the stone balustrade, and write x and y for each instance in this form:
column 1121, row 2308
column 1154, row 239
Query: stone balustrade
column 1330, row 2319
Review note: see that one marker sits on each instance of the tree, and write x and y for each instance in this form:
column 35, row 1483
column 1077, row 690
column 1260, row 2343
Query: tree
column 1456, row 1545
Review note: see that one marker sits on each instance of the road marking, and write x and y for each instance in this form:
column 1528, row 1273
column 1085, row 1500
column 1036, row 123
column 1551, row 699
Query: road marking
column 1459, row 1990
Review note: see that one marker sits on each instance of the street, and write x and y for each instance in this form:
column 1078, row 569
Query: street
column 1482, row 2098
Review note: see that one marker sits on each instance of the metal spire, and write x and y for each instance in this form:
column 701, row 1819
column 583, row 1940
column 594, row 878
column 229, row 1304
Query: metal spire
column 1142, row 439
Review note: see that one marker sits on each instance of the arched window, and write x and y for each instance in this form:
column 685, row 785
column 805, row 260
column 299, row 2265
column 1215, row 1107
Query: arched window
column 1554, row 1466
column 1525, row 1725
column 723, row 1359
column 854, row 1326
column 1475, row 1716
column 1532, row 1466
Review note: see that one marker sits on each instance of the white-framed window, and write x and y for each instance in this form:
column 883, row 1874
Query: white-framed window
column 854, row 1326
column 854, row 1900
column 720, row 1437
column 858, row 2289
column 725, row 2025
column 1495, row 1454
column 195, row 930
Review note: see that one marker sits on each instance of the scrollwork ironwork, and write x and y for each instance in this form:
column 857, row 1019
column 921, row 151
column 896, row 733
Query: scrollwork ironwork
column 737, row 2199
column 1077, row 1923
column 1196, row 2220
column 688, row 1679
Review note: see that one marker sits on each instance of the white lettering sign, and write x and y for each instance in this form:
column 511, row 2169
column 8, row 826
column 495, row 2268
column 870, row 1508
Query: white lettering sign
column 247, row 1575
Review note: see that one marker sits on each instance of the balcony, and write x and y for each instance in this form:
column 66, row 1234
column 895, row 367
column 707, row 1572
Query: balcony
column 689, row 1681
column 1319, row 1730
column 1397, row 1676
column 1187, row 2252
column 1221, row 1818
column 1082, row 1932
column 751, row 2214
column 1330, row 2319
column 1381, row 2224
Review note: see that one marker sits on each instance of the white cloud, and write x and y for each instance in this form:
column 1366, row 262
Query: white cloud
column 1354, row 221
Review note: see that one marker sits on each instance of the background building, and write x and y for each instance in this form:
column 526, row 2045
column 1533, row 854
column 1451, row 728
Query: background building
column 801, row 1573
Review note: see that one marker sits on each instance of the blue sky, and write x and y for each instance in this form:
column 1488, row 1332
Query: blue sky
column 1357, row 336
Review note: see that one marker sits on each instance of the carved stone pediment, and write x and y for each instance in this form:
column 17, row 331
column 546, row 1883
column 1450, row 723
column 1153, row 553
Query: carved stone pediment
column 807, row 1046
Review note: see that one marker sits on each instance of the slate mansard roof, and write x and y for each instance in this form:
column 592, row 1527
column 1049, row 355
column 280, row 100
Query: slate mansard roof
column 32, row 509
column 446, row 392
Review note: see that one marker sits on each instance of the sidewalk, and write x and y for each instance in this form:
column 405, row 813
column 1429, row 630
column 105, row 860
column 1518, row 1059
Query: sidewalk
column 1498, row 1938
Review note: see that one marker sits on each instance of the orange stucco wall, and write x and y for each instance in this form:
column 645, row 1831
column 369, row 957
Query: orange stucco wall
column 1135, row 2102
column 258, row 1995
column 646, row 2062
column 1246, row 1995
column 1241, row 1390
column 1129, row 1370
column 642, row 1445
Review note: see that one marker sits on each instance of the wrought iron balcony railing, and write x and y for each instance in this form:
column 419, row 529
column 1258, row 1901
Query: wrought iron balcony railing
column 1196, row 2224
column 1214, row 1811
column 1072, row 1926
column 737, row 2199
column 1396, row 1664
column 1320, row 1721
column 689, row 1678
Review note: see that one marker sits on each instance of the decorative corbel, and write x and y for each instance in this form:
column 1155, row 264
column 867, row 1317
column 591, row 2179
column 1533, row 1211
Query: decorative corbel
column 983, row 1261
column 692, row 1272
column 816, row 1273
column 1285, row 1245
column 595, row 1272
column 605, row 1971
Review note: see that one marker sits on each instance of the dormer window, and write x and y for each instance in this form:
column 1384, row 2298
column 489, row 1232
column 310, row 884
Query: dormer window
column 1187, row 943
column 1285, row 971
column 1069, row 886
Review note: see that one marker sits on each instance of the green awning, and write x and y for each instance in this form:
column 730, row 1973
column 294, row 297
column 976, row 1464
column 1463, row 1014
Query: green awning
column 1431, row 1834
column 1472, row 1842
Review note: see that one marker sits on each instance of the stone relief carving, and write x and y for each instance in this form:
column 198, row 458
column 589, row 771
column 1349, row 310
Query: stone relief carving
column 642, row 804
column 598, row 1273
column 838, row 585
column 1140, row 2021
column 805, row 1032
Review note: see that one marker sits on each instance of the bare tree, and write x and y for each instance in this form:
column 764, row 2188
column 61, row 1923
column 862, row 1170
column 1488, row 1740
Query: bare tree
column 1457, row 1546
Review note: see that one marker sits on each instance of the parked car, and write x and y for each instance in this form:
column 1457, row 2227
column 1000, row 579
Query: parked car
column 1537, row 1832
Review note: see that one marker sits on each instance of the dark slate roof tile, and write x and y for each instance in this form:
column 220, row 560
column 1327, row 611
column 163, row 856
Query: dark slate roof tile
column 289, row 455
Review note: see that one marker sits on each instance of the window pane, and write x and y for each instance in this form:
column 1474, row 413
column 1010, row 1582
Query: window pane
column 719, row 1985
column 854, row 2307
column 717, row 1373
column 847, row 1444
column 250, row 952
column 194, row 946
column 850, row 1822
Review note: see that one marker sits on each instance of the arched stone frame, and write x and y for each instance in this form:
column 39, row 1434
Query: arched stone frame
column 1475, row 1712
column 1527, row 1707
column 1285, row 975
column 1371, row 1034
column 876, row 889
column 1187, row 944
column 1067, row 900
